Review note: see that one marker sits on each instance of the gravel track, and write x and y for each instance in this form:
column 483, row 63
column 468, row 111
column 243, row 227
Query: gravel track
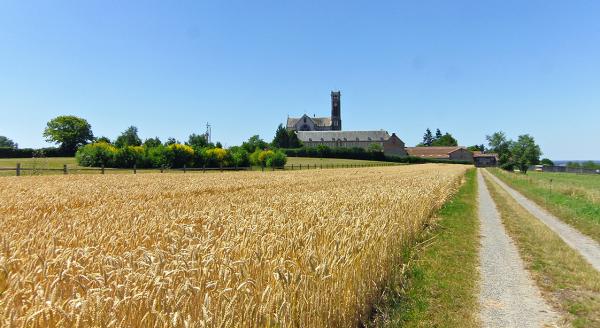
column 508, row 296
column 583, row 244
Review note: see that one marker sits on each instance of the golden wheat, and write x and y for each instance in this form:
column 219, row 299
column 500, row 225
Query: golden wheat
column 295, row 249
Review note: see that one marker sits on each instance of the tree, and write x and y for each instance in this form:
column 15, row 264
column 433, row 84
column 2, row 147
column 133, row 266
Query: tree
column 546, row 162
column 427, row 138
column 218, row 145
column 375, row 148
column 152, row 142
column 590, row 165
column 476, row 148
column 282, row 138
column 438, row 134
column 447, row 140
column 103, row 139
column 68, row 131
column 129, row 137
column 239, row 156
column 253, row 143
column 525, row 152
column 285, row 138
column 197, row 140
column 293, row 139
column 5, row 142
column 171, row 141
column 500, row 145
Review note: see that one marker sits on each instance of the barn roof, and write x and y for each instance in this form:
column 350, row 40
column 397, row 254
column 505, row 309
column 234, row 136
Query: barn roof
column 432, row 152
column 480, row 154
column 380, row 135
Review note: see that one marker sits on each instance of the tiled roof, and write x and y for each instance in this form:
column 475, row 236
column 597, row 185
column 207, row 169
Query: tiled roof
column 432, row 152
column 318, row 121
column 380, row 135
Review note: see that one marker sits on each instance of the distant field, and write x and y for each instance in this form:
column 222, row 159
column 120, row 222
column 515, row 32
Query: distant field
column 58, row 162
column 328, row 161
column 575, row 198
column 49, row 162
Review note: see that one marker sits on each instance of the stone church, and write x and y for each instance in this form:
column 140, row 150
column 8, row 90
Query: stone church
column 327, row 131
column 307, row 123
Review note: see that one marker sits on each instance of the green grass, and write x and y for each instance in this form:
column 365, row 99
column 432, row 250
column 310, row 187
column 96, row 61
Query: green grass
column 439, row 288
column 566, row 279
column 57, row 163
column 571, row 197
column 49, row 162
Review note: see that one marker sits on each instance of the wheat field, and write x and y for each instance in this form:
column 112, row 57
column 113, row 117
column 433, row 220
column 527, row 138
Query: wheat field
column 285, row 249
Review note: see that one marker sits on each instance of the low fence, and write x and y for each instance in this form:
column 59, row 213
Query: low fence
column 565, row 169
column 20, row 170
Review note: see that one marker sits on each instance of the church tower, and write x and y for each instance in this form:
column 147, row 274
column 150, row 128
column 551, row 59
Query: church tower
column 336, row 111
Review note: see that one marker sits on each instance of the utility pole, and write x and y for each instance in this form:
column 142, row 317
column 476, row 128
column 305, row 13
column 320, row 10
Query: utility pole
column 208, row 132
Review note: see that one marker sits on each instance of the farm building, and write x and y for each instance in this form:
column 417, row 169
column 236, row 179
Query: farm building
column 391, row 144
column 485, row 160
column 307, row 123
column 445, row 153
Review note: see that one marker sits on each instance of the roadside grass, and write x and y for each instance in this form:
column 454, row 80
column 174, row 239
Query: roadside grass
column 439, row 286
column 572, row 198
column 566, row 279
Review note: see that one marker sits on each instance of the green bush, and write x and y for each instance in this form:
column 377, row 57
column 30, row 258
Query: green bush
column 129, row 156
column 216, row 157
column 180, row 155
column 159, row 156
column 96, row 154
column 254, row 157
column 239, row 157
column 276, row 159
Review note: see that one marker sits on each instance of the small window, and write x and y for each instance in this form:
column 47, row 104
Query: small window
column 369, row 138
column 345, row 139
column 332, row 139
column 381, row 138
column 309, row 139
column 357, row 139
column 322, row 139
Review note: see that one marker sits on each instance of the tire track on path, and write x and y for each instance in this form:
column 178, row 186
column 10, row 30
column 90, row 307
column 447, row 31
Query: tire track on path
column 586, row 246
column 508, row 296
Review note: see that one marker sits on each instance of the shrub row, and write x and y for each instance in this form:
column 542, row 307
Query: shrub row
column 174, row 156
column 7, row 152
column 362, row 154
column 323, row 151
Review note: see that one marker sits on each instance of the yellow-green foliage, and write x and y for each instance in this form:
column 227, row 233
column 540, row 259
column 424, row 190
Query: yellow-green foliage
column 216, row 154
column 195, row 250
column 184, row 149
column 263, row 155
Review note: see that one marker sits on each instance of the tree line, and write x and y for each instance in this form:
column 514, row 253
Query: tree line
column 520, row 153
column 74, row 136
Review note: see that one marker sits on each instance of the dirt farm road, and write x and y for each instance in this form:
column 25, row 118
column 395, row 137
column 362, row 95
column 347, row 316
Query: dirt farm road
column 587, row 247
column 508, row 296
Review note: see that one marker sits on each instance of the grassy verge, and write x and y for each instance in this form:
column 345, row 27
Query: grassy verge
column 574, row 206
column 567, row 281
column 439, row 287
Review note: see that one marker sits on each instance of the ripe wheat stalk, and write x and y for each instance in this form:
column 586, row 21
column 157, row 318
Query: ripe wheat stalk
column 291, row 249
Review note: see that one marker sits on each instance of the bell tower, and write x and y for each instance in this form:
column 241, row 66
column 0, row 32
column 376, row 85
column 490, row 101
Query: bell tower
column 336, row 111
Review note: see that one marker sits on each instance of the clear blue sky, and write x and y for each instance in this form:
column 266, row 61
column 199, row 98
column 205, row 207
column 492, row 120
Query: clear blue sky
column 168, row 67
